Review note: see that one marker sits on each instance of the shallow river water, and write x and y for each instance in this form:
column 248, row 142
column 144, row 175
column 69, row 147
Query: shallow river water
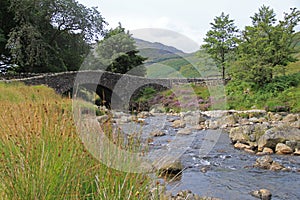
column 222, row 171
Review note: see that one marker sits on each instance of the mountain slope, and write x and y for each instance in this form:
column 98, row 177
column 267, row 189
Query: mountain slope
column 157, row 52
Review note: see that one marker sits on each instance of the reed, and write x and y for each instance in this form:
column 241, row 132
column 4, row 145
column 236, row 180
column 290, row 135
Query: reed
column 42, row 156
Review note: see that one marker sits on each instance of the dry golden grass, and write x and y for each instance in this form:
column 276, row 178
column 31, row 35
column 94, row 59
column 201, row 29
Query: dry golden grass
column 43, row 158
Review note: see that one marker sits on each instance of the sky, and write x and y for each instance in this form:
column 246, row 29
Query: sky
column 188, row 20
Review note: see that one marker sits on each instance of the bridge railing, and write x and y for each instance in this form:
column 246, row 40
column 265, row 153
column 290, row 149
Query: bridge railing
column 11, row 76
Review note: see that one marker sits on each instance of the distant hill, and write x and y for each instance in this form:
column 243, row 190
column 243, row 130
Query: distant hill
column 167, row 61
column 157, row 52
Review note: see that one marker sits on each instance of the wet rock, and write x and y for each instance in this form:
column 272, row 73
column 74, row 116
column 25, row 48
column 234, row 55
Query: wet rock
column 203, row 169
column 186, row 195
column 264, row 162
column 157, row 133
column 283, row 149
column 262, row 194
column 170, row 169
column 279, row 134
column 178, row 124
column 185, row 131
column 275, row 166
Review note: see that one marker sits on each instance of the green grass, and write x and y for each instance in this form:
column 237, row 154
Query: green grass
column 42, row 156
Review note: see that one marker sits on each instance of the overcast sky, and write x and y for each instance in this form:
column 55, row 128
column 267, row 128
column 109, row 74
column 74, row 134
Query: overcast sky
column 190, row 18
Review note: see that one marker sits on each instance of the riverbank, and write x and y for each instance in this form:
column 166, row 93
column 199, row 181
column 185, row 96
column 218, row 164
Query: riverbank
column 210, row 164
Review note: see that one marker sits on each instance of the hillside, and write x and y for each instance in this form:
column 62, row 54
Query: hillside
column 157, row 52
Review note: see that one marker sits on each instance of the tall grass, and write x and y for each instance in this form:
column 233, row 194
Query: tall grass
column 41, row 156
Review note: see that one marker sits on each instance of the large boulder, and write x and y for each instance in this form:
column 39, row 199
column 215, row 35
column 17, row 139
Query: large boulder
column 279, row 134
column 247, row 134
column 283, row 149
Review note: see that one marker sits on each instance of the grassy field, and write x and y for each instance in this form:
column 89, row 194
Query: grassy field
column 43, row 158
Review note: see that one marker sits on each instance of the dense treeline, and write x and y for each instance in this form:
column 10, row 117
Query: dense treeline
column 47, row 35
column 53, row 36
column 257, row 53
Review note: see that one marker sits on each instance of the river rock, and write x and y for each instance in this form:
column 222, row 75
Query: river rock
column 240, row 134
column 267, row 150
column 274, row 117
column 264, row 162
column 263, row 194
column 279, row 134
column 239, row 145
column 144, row 115
column 223, row 122
column 275, row 166
column 157, row 133
column 293, row 144
column 169, row 168
column 185, row 131
column 290, row 118
column 283, row 149
column 186, row 195
column 193, row 118
column 178, row 124
column 295, row 124
column 247, row 134
column 297, row 152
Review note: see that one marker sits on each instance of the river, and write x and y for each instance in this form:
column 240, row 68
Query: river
column 220, row 171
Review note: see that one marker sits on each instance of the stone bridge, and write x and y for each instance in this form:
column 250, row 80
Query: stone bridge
column 106, row 84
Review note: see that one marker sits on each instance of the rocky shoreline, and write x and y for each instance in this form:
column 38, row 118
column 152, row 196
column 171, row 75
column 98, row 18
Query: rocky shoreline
column 257, row 132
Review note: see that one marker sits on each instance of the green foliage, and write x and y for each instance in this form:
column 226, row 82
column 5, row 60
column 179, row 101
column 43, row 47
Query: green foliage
column 117, row 53
column 266, row 47
column 221, row 40
column 146, row 94
column 279, row 95
column 48, row 35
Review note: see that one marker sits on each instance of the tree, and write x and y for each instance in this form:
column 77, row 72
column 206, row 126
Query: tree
column 47, row 31
column 266, row 46
column 117, row 53
column 221, row 40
